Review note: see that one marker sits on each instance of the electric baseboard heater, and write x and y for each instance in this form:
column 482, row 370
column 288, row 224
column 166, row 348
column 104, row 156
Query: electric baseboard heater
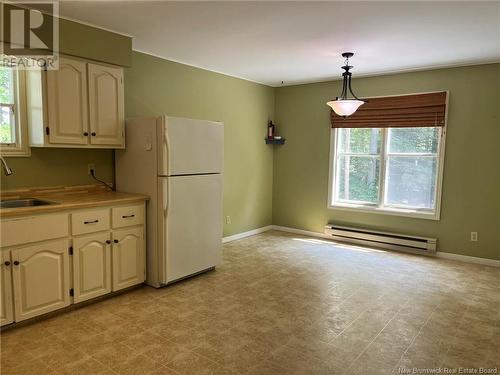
column 385, row 240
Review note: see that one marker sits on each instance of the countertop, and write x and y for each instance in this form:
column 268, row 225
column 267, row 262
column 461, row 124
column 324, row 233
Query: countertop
column 66, row 198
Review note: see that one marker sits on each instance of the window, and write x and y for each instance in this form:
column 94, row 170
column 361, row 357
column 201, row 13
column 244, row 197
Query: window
column 390, row 170
column 13, row 134
column 7, row 106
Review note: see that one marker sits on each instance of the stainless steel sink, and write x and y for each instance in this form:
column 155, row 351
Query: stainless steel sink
column 26, row 202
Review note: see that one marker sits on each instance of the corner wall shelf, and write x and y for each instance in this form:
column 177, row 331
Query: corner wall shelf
column 271, row 141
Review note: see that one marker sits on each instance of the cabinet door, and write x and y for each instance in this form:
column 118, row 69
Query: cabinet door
column 41, row 278
column 91, row 266
column 106, row 105
column 128, row 258
column 6, row 312
column 67, row 103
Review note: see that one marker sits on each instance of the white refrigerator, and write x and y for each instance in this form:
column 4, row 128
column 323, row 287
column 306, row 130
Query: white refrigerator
column 178, row 162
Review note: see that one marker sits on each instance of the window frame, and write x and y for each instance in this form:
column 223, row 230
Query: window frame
column 21, row 146
column 379, row 208
column 378, row 156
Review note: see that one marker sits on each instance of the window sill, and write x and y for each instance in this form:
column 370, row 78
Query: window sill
column 386, row 211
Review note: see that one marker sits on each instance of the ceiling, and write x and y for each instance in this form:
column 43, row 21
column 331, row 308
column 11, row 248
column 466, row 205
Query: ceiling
column 297, row 42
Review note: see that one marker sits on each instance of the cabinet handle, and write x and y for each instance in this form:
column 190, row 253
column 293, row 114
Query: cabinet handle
column 127, row 216
column 7, row 263
column 108, row 242
column 115, row 241
column 93, row 134
column 16, row 263
column 91, row 222
column 86, row 134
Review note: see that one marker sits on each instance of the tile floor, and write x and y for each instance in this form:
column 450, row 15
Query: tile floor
column 280, row 304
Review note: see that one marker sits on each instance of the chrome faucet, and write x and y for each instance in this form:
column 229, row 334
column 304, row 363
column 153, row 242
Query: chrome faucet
column 6, row 168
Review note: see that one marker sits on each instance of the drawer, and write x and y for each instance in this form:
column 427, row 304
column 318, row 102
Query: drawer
column 90, row 221
column 34, row 228
column 126, row 216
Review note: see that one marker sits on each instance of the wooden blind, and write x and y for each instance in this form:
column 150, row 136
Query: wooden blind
column 418, row 110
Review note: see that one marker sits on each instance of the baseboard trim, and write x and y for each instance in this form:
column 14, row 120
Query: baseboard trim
column 299, row 231
column 252, row 232
column 468, row 259
column 439, row 254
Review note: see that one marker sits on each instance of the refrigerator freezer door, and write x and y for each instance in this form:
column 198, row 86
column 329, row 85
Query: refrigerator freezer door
column 190, row 146
column 193, row 224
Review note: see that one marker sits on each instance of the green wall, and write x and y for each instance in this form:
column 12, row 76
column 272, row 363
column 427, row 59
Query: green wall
column 471, row 185
column 65, row 167
column 88, row 42
column 58, row 167
column 290, row 187
column 155, row 86
column 92, row 43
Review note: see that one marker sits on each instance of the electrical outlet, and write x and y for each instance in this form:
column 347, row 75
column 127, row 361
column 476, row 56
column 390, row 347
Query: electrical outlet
column 90, row 167
column 228, row 219
column 473, row 236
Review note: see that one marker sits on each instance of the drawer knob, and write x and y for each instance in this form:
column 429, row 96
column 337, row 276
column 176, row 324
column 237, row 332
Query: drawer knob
column 127, row 216
column 85, row 134
column 93, row 134
column 7, row 263
column 108, row 241
column 115, row 241
column 16, row 263
column 91, row 222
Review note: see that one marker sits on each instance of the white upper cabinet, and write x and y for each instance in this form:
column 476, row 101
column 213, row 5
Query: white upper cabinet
column 67, row 111
column 106, row 105
column 78, row 105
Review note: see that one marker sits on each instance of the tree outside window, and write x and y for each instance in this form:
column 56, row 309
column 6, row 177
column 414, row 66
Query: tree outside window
column 386, row 168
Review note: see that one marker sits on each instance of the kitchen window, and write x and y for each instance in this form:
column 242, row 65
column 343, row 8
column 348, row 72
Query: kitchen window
column 388, row 170
column 13, row 126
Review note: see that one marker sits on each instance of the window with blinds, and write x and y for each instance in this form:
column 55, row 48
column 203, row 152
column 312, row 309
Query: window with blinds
column 388, row 156
column 405, row 111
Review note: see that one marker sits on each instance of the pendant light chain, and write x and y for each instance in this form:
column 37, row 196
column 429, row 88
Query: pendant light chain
column 343, row 94
column 342, row 105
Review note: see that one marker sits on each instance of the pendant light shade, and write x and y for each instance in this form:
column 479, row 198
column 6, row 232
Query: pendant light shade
column 342, row 105
column 345, row 107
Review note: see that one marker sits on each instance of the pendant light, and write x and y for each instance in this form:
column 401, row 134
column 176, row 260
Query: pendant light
column 343, row 106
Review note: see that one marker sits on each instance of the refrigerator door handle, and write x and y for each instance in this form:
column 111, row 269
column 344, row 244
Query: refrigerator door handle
column 166, row 196
column 166, row 156
column 165, row 148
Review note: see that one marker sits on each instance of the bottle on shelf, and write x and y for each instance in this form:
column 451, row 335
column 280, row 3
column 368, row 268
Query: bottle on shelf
column 270, row 130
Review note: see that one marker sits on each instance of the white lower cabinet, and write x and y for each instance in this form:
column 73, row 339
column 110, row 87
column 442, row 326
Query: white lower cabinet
column 41, row 280
column 91, row 266
column 6, row 308
column 128, row 258
column 90, row 258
